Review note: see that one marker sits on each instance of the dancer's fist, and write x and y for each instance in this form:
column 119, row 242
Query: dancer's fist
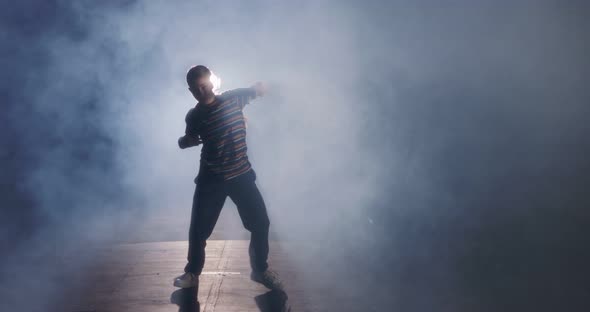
column 261, row 88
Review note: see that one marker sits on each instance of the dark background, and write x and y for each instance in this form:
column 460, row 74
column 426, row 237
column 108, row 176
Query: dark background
column 485, row 207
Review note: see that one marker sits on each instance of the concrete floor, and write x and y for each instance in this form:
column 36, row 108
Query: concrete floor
column 138, row 277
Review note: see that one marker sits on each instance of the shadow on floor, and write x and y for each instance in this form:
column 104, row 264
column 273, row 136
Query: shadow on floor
column 273, row 301
column 186, row 299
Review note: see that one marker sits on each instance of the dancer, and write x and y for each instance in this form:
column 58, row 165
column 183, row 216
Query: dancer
column 218, row 123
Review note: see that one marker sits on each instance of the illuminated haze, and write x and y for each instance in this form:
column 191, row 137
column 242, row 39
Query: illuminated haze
column 415, row 156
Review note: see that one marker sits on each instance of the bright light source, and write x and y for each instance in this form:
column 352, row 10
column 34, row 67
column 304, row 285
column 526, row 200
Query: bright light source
column 216, row 81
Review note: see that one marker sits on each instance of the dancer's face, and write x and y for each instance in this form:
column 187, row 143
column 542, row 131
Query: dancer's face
column 202, row 88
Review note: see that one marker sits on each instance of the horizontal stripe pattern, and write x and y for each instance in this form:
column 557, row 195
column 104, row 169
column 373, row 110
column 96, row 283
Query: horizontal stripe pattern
column 222, row 128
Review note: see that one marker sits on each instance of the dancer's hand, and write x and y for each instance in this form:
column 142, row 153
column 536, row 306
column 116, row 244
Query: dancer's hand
column 261, row 88
column 188, row 141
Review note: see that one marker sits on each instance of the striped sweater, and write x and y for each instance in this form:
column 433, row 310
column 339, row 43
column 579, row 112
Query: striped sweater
column 221, row 127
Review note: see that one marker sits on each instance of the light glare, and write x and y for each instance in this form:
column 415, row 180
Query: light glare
column 216, row 81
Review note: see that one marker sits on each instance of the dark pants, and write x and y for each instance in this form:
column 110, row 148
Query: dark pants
column 210, row 195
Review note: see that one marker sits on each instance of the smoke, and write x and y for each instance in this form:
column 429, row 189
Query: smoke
column 415, row 156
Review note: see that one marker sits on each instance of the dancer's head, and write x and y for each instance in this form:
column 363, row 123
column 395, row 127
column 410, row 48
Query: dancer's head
column 199, row 83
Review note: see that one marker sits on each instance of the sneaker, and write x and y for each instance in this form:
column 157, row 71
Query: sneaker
column 268, row 278
column 186, row 280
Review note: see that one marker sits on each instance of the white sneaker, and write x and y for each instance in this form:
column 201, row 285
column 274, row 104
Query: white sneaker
column 186, row 280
